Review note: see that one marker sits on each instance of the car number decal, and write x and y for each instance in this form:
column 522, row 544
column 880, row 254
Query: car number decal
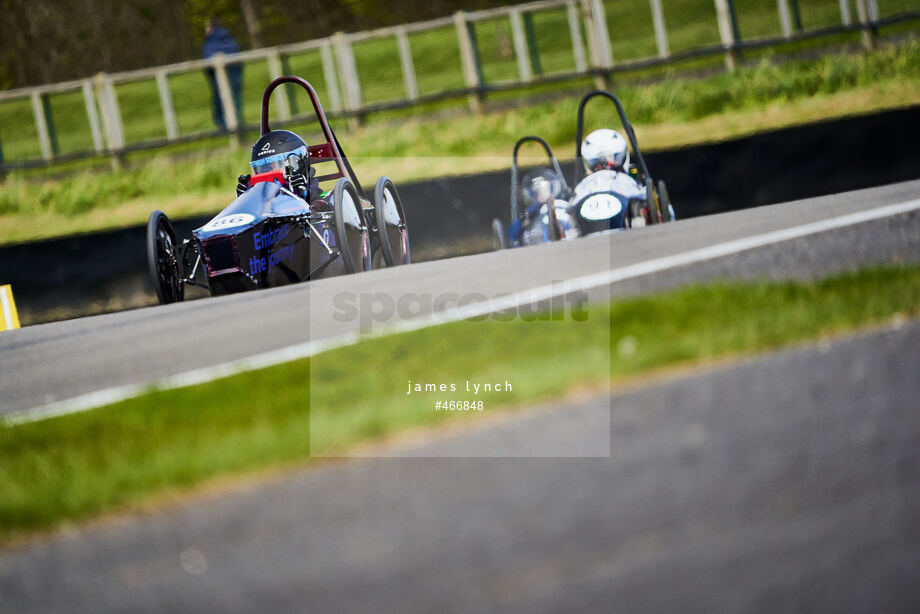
column 601, row 207
column 229, row 221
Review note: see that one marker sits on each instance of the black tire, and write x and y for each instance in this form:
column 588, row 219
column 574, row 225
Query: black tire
column 350, row 229
column 499, row 240
column 554, row 233
column 664, row 201
column 390, row 221
column 162, row 260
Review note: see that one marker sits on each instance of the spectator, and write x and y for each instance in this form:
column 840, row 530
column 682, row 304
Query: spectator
column 218, row 40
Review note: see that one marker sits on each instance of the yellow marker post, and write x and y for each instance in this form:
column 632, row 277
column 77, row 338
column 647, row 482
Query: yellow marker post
column 9, row 319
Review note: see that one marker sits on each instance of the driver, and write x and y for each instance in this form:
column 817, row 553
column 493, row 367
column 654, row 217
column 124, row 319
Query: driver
column 540, row 188
column 282, row 150
column 606, row 158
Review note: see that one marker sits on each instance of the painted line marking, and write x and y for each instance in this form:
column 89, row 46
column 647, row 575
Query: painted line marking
column 526, row 297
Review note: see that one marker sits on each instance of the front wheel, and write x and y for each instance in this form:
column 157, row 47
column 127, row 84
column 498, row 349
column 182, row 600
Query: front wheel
column 664, row 201
column 499, row 240
column 162, row 259
column 351, row 232
column 390, row 217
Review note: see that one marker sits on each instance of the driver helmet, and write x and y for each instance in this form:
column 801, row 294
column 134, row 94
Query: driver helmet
column 540, row 186
column 605, row 149
column 282, row 150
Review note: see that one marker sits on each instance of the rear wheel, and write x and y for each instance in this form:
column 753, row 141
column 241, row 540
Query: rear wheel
column 162, row 259
column 390, row 217
column 664, row 201
column 351, row 232
column 499, row 240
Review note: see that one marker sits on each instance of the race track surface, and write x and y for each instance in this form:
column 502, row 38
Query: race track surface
column 52, row 362
column 790, row 482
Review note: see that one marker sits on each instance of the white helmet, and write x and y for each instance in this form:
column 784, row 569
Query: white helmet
column 605, row 149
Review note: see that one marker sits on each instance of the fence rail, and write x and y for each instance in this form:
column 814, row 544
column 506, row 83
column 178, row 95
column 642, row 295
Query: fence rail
column 589, row 44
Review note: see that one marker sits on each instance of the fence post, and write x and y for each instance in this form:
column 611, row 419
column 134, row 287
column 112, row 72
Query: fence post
column 603, row 36
column 597, row 31
column 349, row 71
column 845, row 18
column 873, row 10
column 280, row 94
column 41, row 126
column 520, row 45
column 727, row 32
column 468, row 58
column 111, row 118
column 868, row 32
column 578, row 46
column 90, row 102
column 796, row 15
column 169, row 114
column 49, row 121
column 408, row 66
column 332, row 83
column 783, row 7
column 532, row 47
column 225, row 92
column 661, row 31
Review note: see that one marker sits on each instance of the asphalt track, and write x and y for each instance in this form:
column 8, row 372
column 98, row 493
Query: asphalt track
column 749, row 488
column 789, row 482
column 48, row 363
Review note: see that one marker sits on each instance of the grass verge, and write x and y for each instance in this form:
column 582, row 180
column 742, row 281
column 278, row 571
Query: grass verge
column 674, row 112
column 73, row 467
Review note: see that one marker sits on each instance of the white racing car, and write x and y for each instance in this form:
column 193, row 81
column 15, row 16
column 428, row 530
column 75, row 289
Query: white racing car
column 611, row 192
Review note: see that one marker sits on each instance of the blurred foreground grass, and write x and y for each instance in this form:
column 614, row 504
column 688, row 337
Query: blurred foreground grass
column 73, row 467
column 669, row 113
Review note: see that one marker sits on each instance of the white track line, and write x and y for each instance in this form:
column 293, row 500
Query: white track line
column 512, row 301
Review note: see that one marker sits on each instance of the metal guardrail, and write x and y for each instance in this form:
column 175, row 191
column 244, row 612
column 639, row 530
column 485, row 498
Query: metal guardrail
column 591, row 53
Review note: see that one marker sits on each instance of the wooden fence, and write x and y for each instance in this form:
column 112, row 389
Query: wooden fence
column 591, row 54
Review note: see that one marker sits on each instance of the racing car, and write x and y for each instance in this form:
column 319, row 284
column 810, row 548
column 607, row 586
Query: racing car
column 545, row 194
column 610, row 192
column 283, row 227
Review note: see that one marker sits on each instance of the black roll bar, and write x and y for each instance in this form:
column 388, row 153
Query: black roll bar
column 514, row 170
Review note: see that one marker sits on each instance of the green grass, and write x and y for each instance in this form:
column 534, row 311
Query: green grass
column 74, row 467
column 199, row 180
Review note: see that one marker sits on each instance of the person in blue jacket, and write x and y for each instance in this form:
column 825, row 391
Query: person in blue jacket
column 218, row 40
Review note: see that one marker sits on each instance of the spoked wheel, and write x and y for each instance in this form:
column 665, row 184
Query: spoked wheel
column 664, row 201
column 350, row 230
column 162, row 260
column 499, row 241
column 392, row 231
